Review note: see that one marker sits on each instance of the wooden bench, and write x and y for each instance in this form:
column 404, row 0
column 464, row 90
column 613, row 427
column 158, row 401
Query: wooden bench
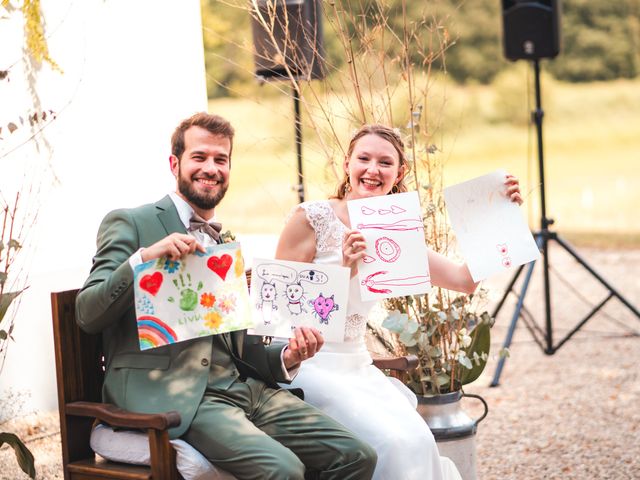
column 80, row 373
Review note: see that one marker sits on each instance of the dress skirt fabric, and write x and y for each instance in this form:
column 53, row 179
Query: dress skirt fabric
column 348, row 388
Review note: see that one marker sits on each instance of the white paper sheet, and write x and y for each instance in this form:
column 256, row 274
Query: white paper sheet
column 491, row 230
column 293, row 294
column 396, row 263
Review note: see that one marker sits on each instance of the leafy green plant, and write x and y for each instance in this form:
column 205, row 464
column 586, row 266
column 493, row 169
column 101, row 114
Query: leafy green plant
column 23, row 455
column 9, row 247
column 452, row 342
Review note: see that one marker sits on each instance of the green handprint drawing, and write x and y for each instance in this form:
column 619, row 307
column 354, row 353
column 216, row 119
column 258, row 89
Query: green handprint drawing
column 188, row 296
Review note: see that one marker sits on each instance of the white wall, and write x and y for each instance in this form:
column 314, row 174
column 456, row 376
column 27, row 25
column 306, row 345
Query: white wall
column 132, row 71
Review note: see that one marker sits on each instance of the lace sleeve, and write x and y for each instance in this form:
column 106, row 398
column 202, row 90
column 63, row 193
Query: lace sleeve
column 328, row 228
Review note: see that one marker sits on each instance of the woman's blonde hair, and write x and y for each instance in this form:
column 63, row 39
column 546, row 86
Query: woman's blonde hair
column 391, row 136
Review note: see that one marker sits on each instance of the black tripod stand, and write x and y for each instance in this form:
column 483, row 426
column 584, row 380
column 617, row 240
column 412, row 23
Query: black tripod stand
column 544, row 338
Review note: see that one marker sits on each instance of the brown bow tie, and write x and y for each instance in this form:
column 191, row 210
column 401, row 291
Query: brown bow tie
column 200, row 224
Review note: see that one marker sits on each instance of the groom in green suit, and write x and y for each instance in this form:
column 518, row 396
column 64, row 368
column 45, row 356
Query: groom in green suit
column 224, row 386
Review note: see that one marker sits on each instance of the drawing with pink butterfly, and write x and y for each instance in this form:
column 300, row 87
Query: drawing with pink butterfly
column 202, row 293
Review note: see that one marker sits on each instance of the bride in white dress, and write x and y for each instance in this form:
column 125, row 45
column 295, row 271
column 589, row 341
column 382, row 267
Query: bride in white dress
column 340, row 379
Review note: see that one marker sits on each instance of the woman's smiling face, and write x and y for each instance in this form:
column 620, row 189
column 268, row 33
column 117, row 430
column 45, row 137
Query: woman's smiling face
column 373, row 167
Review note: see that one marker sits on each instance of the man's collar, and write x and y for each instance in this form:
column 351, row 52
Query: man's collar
column 185, row 211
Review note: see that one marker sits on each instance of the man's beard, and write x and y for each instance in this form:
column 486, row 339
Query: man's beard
column 203, row 201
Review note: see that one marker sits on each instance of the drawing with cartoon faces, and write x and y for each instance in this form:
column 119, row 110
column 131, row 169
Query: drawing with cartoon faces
column 267, row 301
column 289, row 294
column 295, row 298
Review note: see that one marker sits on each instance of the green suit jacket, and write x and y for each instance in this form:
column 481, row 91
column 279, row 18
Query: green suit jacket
column 173, row 377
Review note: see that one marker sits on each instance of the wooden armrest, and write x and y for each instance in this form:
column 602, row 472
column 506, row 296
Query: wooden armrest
column 406, row 363
column 117, row 417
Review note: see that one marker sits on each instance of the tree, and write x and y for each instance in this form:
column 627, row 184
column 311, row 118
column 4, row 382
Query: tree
column 601, row 40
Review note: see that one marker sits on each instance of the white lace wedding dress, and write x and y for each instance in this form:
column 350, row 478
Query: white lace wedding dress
column 341, row 381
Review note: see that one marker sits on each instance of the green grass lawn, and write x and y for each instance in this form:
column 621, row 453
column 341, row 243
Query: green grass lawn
column 592, row 154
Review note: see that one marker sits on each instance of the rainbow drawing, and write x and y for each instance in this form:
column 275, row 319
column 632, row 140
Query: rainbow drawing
column 153, row 332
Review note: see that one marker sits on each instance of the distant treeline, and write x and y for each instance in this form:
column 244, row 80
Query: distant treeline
column 600, row 39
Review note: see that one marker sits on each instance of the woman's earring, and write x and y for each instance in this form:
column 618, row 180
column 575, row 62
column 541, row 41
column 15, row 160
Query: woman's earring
column 395, row 188
column 347, row 185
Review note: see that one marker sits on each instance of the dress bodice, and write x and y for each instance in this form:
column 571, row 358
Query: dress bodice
column 329, row 232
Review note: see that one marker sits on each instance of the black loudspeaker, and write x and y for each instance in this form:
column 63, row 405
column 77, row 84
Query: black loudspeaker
column 531, row 29
column 288, row 32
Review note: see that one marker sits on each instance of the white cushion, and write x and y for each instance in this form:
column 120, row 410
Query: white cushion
column 129, row 446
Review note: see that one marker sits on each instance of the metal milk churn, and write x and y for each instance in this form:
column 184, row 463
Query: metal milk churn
column 453, row 429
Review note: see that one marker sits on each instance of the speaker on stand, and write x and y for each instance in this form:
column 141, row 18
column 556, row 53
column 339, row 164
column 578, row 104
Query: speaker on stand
column 288, row 45
column 531, row 29
column 532, row 32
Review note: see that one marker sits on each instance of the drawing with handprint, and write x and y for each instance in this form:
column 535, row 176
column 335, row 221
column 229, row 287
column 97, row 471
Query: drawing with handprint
column 202, row 294
column 188, row 296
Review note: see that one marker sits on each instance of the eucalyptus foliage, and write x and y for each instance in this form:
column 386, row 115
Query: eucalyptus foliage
column 451, row 342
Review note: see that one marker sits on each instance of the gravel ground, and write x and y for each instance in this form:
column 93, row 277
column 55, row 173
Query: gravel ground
column 574, row 414
column 571, row 415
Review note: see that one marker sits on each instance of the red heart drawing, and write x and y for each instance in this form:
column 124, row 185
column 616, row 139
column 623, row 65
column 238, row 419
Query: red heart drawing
column 151, row 283
column 220, row 265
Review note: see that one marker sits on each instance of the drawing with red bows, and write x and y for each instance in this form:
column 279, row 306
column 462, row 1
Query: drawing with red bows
column 372, row 282
column 406, row 224
column 387, row 250
column 394, row 209
column 395, row 262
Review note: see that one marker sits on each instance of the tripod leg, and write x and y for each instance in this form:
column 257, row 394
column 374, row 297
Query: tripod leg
column 584, row 320
column 582, row 262
column 512, row 326
column 507, row 291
